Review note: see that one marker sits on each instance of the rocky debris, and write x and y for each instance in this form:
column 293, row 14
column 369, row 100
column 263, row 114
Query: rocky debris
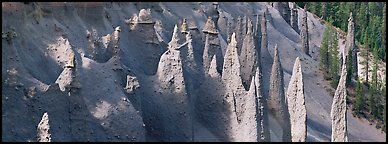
column 283, row 9
column 132, row 84
column 294, row 17
column 350, row 45
column 43, row 129
column 296, row 104
column 262, row 109
column 339, row 132
column 9, row 35
column 248, row 57
column 276, row 99
column 13, row 78
column 30, row 92
column 304, row 36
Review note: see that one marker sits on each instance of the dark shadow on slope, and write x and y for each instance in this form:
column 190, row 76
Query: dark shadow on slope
column 318, row 127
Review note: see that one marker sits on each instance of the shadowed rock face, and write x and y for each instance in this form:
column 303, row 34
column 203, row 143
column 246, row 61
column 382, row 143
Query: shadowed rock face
column 212, row 46
column 262, row 109
column 276, row 99
column 284, row 10
column 339, row 132
column 257, row 39
column 248, row 57
column 239, row 34
column 296, row 104
column 43, row 134
column 294, row 18
column 264, row 41
column 304, row 33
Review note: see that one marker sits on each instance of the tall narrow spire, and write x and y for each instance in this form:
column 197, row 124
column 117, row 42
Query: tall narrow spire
column 276, row 99
column 296, row 104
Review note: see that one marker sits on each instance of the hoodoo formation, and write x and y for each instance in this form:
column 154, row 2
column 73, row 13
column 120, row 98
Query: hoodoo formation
column 304, row 35
column 296, row 104
column 183, row 72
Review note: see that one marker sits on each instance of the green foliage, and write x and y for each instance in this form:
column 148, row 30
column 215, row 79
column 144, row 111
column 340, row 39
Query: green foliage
column 359, row 103
column 334, row 60
column 372, row 101
column 368, row 16
column 385, row 107
column 324, row 52
column 349, row 68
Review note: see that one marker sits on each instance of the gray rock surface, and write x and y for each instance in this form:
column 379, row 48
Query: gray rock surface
column 296, row 104
column 339, row 131
column 304, row 36
column 276, row 99
column 248, row 57
column 262, row 109
column 43, row 129
column 176, row 40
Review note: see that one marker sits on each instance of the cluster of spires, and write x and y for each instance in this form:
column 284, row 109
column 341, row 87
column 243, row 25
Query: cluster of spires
column 242, row 59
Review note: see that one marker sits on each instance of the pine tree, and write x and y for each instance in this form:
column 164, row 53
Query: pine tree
column 371, row 101
column 383, row 34
column 359, row 103
column 334, row 60
column 373, row 90
column 324, row 53
column 365, row 55
column 383, row 92
column 349, row 68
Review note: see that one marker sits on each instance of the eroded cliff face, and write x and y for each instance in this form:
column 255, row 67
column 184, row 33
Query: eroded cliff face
column 154, row 72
